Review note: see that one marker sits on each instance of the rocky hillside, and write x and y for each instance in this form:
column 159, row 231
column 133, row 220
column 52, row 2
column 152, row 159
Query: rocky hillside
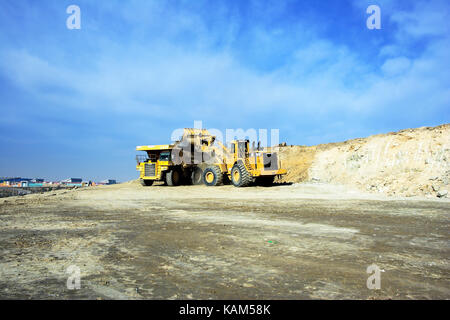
column 406, row 163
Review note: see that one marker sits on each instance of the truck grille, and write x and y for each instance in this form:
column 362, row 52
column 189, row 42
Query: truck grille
column 149, row 170
column 270, row 161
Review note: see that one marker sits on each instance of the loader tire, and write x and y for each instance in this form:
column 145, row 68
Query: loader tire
column 146, row 183
column 197, row 176
column 212, row 176
column 173, row 178
column 240, row 177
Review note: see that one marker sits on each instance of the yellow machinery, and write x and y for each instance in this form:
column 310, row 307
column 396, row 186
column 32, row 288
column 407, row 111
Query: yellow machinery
column 197, row 158
column 156, row 164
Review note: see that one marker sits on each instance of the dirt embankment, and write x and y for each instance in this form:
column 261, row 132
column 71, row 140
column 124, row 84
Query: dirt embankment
column 408, row 163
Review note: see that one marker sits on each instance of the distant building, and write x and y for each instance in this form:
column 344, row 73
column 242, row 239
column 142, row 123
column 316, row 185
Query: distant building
column 13, row 180
column 108, row 182
column 33, row 183
column 72, row 182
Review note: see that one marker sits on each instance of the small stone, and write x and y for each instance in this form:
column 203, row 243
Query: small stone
column 442, row 193
column 435, row 188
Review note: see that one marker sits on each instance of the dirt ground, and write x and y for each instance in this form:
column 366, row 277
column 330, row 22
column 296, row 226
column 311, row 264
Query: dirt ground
column 301, row 241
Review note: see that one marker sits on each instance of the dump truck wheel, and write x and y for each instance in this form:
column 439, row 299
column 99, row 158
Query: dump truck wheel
column 197, row 176
column 173, row 178
column 212, row 176
column 146, row 183
column 240, row 176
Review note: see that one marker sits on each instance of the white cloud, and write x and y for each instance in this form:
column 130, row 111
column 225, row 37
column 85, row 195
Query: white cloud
column 319, row 80
column 427, row 18
column 396, row 66
column 390, row 50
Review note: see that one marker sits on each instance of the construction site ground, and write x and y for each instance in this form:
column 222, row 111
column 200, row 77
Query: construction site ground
column 300, row 241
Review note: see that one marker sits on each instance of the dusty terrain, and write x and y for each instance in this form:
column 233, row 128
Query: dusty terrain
column 301, row 241
column 407, row 163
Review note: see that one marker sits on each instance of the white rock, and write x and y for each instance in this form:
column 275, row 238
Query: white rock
column 442, row 193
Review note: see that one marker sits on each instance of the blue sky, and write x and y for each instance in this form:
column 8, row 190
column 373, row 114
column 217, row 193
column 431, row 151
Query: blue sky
column 75, row 103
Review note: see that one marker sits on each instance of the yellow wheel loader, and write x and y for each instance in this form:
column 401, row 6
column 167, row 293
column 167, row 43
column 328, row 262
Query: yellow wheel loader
column 242, row 165
column 198, row 158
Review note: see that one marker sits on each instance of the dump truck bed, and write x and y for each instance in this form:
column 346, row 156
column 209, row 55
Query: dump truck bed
column 155, row 147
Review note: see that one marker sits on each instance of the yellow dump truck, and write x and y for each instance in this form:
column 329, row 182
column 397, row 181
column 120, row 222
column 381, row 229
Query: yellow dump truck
column 198, row 158
column 156, row 164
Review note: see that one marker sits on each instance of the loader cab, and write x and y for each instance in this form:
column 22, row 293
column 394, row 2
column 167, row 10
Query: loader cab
column 240, row 148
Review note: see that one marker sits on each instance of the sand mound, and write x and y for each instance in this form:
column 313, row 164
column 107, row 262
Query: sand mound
column 131, row 183
column 409, row 162
column 298, row 160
